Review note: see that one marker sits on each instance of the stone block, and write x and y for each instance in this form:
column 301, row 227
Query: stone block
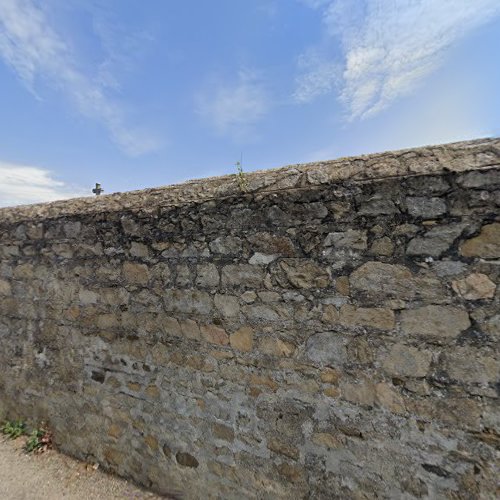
column 227, row 305
column 247, row 275
column 135, row 274
column 214, row 334
column 242, row 339
column 428, row 208
column 485, row 245
column 304, row 274
column 476, row 286
column 407, row 361
column 352, row 238
column 436, row 322
column 380, row 318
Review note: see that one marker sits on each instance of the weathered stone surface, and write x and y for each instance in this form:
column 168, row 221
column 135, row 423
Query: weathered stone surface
column 226, row 245
column 242, row 339
column 187, row 301
column 276, row 347
column 436, row 241
column 387, row 396
column 377, row 279
column 136, row 274
column 326, row 348
column 362, row 393
column 382, row 246
column 368, row 317
column 207, row 275
column 429, row 208
column 407, row 361
column 305, row 274
column 307, row 338
column 262, row 259
column 186, row 459
column 471, row 367
column 5, row 288
column 139, row 250
column 476, row 286
column 439, row 322
column 485, row 245
column 242, row 275
column 352, row 238
column 227, row 305
column 214, row 334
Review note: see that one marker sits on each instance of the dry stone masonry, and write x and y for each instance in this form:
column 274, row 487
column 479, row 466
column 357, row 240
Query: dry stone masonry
column 331, row 332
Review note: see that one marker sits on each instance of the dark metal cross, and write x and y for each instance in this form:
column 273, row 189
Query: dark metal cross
column 98, row 189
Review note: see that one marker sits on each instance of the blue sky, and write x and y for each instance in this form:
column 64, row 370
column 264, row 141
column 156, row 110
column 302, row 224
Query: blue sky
column 143, row 93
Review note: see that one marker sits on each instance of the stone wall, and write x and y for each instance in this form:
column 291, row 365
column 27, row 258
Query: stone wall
column 331, row 332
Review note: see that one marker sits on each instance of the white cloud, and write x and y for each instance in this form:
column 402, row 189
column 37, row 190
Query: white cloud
column 24, row 184
column 387, row 47
column 31, row 46
column 233, row 108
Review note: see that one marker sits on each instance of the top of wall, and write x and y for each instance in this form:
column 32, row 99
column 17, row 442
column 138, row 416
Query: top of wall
column 455, row 157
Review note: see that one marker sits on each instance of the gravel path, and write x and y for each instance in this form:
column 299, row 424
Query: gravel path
column 54, row 476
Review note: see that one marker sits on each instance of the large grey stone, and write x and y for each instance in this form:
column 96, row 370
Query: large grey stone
column 439, row 322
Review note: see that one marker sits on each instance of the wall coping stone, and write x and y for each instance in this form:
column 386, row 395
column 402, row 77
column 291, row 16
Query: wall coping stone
column 430, row 160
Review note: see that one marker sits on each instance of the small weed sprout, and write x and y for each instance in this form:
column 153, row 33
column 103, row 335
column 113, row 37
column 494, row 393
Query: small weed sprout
column 38, row 441
column 240, row 176
column 13, row 428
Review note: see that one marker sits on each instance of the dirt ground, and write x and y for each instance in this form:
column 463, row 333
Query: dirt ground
column 54, row 476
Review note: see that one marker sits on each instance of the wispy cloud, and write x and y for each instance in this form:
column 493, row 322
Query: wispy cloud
column 32, row 47
column 387, row 47
column 234, row 108
column 23, row 184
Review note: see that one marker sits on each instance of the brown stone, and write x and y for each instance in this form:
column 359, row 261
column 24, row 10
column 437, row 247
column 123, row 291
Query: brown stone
column 476, row 286
column 214, row 334
column 264, row 381
column 282, row 448
column 186, row 459
column 135, row 274
column 382, row 246
column 5, row 288
column 485, row 245
column 327, row 440
column 332, row 392
column 380, row 318
column 330, row 315
column 152, row 391
column 223, row 432
column 276, row 347
column 114, row 456
column 190, row 329
column 382, row 281
column 342, row 285
column 305, row 274
column 134, row 386
column 330, row 376
column 242, row 339
column 362, row 393
column 388, row 397
column 151, row 442
column 293, row 473
column 115, row 431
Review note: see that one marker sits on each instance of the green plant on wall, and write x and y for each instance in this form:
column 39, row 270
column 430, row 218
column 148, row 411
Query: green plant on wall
column 240, row 176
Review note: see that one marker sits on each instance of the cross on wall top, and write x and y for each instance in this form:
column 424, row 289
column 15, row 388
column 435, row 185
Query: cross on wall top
column 98, row 189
